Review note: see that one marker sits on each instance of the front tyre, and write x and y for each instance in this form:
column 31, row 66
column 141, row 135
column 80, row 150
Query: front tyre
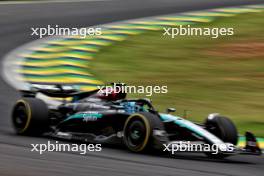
column 223, row 128
column 30, row 116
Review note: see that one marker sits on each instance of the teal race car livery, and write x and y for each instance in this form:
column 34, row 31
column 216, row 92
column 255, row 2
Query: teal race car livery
column 112, row 119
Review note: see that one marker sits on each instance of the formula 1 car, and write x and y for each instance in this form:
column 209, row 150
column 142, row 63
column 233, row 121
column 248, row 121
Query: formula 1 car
column 106, row 116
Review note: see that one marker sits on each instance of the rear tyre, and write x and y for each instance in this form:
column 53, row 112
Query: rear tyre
column 138, row 131
column 30, row 117
column 223, row 128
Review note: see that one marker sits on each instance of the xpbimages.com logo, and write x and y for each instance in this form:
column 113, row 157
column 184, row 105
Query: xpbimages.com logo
column 197, row 31
column 188, row 146
column 122, row 88
column 64, row 31
column 60, row 147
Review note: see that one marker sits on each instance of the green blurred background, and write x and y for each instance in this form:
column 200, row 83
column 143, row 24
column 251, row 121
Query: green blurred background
column 203, row 75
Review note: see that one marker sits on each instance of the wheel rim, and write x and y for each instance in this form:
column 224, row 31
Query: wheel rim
column 136, row 133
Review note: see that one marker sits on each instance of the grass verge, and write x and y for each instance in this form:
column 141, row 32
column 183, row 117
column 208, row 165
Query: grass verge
column 203, row 75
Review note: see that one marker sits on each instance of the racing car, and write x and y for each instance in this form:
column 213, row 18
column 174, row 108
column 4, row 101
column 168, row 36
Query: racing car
column 107, row 116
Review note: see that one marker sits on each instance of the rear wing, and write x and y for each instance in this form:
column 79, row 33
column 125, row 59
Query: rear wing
column 48, row 89
column 57, row 91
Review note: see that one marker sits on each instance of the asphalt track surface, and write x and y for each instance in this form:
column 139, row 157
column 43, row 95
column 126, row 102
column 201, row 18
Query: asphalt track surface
column 15, row 156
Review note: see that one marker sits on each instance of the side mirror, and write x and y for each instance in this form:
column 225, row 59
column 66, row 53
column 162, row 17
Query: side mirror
column 170, row 110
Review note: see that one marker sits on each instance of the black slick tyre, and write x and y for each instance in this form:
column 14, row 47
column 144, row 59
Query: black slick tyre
column 30, row 116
